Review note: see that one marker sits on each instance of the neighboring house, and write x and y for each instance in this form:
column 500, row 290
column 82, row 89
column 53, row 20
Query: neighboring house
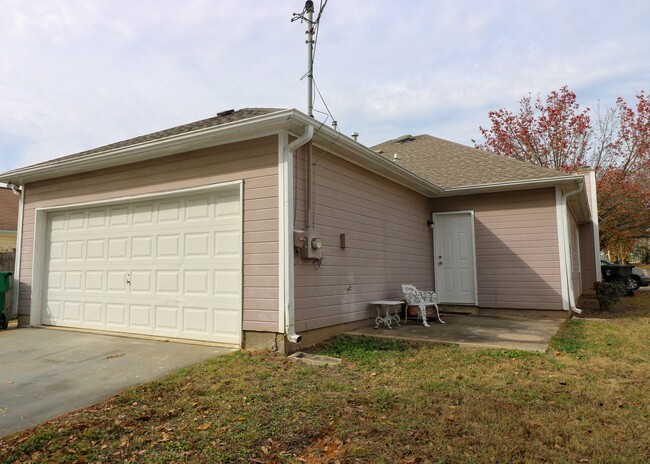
column 8, row 219
column 205, row 231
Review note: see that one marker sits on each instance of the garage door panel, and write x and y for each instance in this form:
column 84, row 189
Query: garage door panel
column 94, row 281
column 72, row 311
column 116, row 315
column 168, row 281
column 168, row 246
column 169, row 267
column 118, row 217
column 92, row 313
column 196, row 282
column 226, row 282
column 197, row 245
column 95, row 249
column 142, row 247
column 97, row 219
column 142, row 282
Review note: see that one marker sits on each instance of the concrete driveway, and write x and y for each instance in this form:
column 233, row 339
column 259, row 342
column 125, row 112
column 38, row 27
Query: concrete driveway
column 47, row 372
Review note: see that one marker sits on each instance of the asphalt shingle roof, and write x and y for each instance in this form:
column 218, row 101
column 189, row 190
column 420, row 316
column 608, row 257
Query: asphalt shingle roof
column 221, row 118
column 452, row 165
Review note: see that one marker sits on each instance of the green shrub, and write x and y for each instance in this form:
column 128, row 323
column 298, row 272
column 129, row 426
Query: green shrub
column 609, row 293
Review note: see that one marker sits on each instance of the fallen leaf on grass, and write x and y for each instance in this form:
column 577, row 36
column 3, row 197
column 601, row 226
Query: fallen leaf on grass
column 204, row 426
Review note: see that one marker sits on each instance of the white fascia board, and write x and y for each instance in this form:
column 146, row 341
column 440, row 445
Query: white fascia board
column 246, row 129
column 513, row 185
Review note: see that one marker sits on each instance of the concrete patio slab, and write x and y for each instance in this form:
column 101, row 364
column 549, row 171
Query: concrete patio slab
column 514, row 333
column 47, row 372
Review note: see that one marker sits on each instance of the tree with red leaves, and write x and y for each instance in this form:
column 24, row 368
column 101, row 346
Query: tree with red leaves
column 557, row 134
column 554, row 134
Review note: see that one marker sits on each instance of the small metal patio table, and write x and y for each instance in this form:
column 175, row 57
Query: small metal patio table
column 387, row 318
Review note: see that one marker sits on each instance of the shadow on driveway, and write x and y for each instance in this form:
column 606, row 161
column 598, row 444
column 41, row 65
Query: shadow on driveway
column 47, row 372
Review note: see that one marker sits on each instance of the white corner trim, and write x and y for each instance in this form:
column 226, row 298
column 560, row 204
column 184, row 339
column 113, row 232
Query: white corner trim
column 19, row 252
column 38, row 267
column 594, row 222
column 283, row 140
column 560, row 213
column 241, row 263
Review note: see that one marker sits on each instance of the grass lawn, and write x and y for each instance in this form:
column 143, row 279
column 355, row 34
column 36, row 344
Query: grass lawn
column 587, row 400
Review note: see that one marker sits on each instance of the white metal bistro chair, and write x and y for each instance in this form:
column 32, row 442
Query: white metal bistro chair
column 421, row 299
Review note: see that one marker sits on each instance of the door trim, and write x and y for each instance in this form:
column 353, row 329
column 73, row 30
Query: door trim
column 473, row 248
column 40, row 237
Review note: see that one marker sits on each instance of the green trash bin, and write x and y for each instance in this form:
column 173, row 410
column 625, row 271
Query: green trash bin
column 5, row 281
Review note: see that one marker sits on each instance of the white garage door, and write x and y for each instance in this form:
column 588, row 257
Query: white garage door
column 168, row 267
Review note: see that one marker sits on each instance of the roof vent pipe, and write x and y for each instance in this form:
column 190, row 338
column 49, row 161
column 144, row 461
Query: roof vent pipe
column 355, row 135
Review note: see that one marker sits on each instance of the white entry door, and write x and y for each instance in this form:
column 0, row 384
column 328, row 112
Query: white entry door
column 167, row 267
column 453, row 249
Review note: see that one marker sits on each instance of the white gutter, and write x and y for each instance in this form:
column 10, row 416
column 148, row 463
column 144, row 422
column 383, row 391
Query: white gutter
column 287, row 233
column 510, row 185
column 19, row 242
column 567, row 246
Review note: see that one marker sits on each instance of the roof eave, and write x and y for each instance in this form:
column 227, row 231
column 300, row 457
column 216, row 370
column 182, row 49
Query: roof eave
column 179, row 143
column 578, row 202
column 524, row 184
column 357, row 153
column 290, row 120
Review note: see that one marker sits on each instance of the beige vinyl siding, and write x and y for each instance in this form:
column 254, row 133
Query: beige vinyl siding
column 574, row 241
column 587, row 256
column 254, row 161
column 388, row 242
column 517, row 257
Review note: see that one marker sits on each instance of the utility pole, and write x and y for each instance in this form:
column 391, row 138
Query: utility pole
column 309, row 8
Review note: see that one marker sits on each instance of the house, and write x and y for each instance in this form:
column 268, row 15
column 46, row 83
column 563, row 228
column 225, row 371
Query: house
column 263, row 228
column 8, row 219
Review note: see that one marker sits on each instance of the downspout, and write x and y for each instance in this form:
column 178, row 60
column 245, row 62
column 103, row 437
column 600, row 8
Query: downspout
column 289, row 307
column 19, row 241
column 567, row 246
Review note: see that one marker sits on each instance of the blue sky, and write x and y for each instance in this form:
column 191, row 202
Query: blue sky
column 76, row 75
